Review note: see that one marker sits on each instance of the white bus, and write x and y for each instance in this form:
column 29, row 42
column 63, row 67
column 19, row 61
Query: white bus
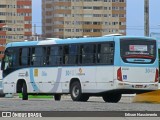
column 107, row 66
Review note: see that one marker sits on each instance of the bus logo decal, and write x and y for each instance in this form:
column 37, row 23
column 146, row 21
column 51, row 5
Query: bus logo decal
column 80, row 72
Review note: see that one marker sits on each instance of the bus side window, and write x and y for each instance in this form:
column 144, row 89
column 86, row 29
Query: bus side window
column 55, row 55
column 37, row 56
column 45, row 55
column 24, row 56
column 33, row 56
column 88, row 53
column 65, row 54
column 14, row 58
column 105, row 53
column 73, row 54
column 10, row 58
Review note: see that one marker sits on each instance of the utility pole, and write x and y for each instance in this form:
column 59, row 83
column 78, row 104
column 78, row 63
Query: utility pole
column 35, row 34
column 146, row 17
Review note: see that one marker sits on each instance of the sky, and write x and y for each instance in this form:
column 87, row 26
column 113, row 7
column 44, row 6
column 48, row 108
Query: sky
column 135, row 16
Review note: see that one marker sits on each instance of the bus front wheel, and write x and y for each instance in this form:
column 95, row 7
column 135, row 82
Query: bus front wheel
column 112, row 97
column 24, row 92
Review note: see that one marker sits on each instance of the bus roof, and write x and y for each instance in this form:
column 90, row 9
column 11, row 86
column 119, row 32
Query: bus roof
column 70, row 40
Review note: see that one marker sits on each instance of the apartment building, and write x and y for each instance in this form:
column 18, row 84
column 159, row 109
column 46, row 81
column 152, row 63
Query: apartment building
column 78, row 18
column 15, row 21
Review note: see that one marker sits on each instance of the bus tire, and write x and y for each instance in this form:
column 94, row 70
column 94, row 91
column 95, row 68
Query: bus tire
column 57, row 97
column 112, row 98
column 76, row 92
column 24, row 92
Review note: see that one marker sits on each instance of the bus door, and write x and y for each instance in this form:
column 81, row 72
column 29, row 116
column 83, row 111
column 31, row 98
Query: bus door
column 138, row 61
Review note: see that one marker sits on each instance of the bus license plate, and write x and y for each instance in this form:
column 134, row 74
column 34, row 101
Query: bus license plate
column 138, row 86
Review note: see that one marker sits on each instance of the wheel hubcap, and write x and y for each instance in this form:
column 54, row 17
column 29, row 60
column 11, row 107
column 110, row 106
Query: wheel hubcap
column 75, row 91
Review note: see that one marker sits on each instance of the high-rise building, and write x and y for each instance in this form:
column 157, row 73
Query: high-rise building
column 15, row 21
column 77, row 18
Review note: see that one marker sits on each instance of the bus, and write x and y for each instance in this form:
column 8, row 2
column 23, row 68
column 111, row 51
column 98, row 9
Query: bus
column 106, row 66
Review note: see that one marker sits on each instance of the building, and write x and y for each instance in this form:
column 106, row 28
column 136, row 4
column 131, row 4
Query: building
column 15, row 21
column 77, row 18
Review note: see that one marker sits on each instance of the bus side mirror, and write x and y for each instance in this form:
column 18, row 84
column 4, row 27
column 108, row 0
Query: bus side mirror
column 2, row 64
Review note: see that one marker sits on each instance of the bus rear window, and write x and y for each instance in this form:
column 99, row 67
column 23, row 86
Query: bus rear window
column 138, row 51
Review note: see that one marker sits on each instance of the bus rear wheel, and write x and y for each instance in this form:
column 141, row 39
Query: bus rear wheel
column 76, row 92
column 112, row 97
column 24, row 92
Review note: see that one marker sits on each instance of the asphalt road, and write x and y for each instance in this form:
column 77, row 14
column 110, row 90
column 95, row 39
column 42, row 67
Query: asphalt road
column 66, row 104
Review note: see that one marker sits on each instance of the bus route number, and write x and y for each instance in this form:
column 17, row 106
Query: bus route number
column 69, row 72
column 150, row 70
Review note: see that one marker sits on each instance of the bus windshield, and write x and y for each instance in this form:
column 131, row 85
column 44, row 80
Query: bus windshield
column 8, row 59
column 138, row 51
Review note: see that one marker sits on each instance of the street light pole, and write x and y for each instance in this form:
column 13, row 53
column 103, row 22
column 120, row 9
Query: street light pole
column 146, row 17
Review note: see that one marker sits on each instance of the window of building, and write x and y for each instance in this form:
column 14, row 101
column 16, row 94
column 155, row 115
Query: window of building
column 105, row 15
column 3, row 6
column 87, row 7
column 105, row 8
column 121, row 0
column 122, row 8
column 122, row 15
column 114, row 15
column 2, row 21
column 97, row 15
column 96, row 30
column 97, row 7
column 88, row 15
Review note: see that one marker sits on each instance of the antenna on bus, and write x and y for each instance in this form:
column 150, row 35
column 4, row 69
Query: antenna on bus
column 52, row 38
column 86, row 36
column 112, row 35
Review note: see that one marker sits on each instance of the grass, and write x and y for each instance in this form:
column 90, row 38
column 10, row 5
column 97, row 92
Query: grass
column 37, row 96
